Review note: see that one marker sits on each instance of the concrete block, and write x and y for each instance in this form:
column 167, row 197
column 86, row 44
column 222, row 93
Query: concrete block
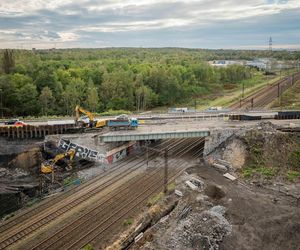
column 220, row 167
column 138, row 227
column 229, row 176
column 178, row 193
column 197, row 182
column 191, row 185
column 137, row 238
column 164, row 219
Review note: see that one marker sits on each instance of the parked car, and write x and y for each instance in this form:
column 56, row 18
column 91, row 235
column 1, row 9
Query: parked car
column 15, row 122
column 19, row 124
column 11, row 122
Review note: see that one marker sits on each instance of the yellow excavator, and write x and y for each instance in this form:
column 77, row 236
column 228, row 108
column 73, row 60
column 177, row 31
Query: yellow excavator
column 48, row 167
column 92, row 123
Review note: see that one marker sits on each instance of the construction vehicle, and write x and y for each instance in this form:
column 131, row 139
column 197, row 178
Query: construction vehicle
column 49, row 166
column 49, row 180
column 88, row 120
column 123, row 121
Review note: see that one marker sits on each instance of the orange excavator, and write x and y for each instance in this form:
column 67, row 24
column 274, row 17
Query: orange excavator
column 89, row 119
column 48, row 166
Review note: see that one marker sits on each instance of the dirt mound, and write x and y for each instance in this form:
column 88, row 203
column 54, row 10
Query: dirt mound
column 27, row 160
column 214, row 192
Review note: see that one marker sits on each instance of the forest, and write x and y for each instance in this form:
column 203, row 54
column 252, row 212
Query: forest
column 53, row 82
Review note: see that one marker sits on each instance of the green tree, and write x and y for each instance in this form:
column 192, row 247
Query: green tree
column 47, row 76
column 8, row 61
column 27, row 100
column 117, row 90
column 8, row 95
column 74, row 94
column 46, row 100
column 92, row 98
column 19, row 80
column 144, row 97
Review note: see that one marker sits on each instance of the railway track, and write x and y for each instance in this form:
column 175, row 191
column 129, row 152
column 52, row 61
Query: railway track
column 125, row 211
column 107, row 204
column 109, row 209
column 266, row 95
column 49, row 215
column 119, row 214
column 12, row 235
column 29, row 213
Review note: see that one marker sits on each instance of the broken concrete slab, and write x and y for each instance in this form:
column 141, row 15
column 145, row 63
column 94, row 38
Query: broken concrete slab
column 178, row 193
column 191, row 185
column 220, row 167
column 197, row 182
column 229, row 176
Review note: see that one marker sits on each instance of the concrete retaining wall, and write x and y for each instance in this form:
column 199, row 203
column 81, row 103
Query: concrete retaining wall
column 217, row 137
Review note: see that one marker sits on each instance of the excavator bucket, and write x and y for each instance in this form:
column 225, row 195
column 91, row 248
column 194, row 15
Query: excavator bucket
column 46, row 168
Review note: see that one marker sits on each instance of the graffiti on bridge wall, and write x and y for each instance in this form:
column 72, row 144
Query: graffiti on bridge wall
column 112, row 158
column 82, row 152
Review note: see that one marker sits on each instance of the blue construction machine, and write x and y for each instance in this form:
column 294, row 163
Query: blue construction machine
column 122, row 122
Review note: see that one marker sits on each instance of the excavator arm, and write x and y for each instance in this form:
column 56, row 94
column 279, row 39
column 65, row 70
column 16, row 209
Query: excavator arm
column 48, row 166
column 79, row 110
column 70, row 154
column 93, row 123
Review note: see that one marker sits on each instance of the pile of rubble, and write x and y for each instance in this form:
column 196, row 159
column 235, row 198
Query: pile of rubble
column 203, row 230
column 12, row 174
column 197, row 222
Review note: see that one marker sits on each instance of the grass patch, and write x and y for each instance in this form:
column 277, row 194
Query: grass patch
column 267, row 173
column 88, row 247
column 153, row 200
column 294, row 159
column 290, row 99
column 257, row 82
column 248, row 172
column 171, row 187
column 128, row 222
column 292, row 175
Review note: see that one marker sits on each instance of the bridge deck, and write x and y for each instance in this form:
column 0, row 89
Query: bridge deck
column 152, row 136
column 184, row 129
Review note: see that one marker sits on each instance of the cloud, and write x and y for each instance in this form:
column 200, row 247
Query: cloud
column 79, row 23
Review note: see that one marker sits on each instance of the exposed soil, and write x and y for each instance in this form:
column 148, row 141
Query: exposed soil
column 262, row 154
column 226, row 214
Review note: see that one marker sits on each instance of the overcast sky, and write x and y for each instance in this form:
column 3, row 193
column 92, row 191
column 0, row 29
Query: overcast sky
column 237, row 24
